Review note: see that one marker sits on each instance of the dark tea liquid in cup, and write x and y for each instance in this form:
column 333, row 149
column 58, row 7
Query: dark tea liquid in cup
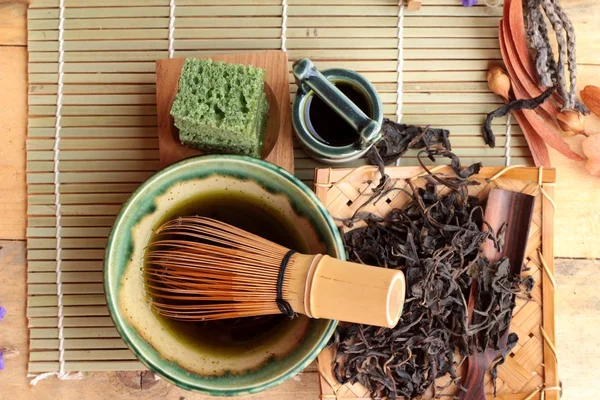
column 326, row 125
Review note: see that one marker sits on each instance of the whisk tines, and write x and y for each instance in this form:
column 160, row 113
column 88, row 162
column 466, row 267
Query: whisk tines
column 198, row 268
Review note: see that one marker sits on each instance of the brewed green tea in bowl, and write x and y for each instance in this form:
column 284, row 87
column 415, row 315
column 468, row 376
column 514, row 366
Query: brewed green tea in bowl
column 227, row 357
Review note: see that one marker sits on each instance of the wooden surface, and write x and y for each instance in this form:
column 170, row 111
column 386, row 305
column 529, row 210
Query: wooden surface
column 278, row 146
column 577, row 225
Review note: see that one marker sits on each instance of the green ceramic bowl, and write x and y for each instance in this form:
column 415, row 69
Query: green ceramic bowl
column 196, row 364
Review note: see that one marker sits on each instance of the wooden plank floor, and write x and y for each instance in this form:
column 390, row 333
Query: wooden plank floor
column 577, row 223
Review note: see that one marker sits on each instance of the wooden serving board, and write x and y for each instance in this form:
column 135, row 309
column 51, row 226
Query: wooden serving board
column 531, row 367
column 278, row 141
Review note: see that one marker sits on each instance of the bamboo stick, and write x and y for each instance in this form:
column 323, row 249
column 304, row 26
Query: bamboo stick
column 89, row 177
column 68, row 300
column 339, row 43
column 68, row 266
column 71, row 322
column 446, row 3
column 447, row 65
column 46, row 122
column 522, row 173
column 94, row 78
column 68, row 288
column 99, row 12
column 342, row 32
column 107, row 56
column 148, row 3
column 450, row 32
column 386, row 98
column 68, row 233
column 80, row 166
column 190, row 11
column 73, row 209
column 308, row 174
column 158, row 23
column 440, row 55
column 94, row 89
column 368, row 10
column 94, row 144
column 72, row 243
column 91, row 333
column 448, row 108
column 68, row 254
column 456, row 87
column 98, row 34
column 134, row 34
column 83, row 355
column 257, row 21
column 105, row 45
column 447, row 121
column 379, row 77
column 229, row 2
column 359, row 66
column 347, row 21
column 218, row 11
column 75, row 344
column 77, row 311
column 67, row 277
column 71, row 221
column 341, row 2
column 381, row 87
column 101, row 23
column 347, row 54
column 95, row 154
column 548, row 291
column 95, row 99
column 95, row 366
column 92, row 132
column 307, row 166
column 464, row 152
column 450, row 98
column 93, row 110
column 87, row 198
column 437, row 76
column 464, row 143
column 451, row 43
column 83, row 188
column 418, row 20
column 148, row 67
column 457, row 11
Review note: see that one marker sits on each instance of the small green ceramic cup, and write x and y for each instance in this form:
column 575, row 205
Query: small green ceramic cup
column 310, row 83
column 259, row 364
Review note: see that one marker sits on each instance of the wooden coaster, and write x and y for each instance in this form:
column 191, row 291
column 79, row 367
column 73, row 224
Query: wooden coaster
column 278, row 148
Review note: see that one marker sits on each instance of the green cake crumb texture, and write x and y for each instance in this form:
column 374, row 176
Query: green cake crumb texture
column 221, row 107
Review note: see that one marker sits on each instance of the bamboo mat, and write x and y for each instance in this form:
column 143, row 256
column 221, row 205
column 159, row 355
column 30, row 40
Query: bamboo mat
column 92, row 120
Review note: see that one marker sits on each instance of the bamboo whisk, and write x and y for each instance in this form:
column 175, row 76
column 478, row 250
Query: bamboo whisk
column 201, row 269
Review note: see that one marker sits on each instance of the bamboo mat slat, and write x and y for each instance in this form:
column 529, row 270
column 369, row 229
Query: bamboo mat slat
column 108, row 129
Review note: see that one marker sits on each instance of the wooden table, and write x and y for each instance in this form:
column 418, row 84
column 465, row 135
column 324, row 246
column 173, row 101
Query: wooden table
column 577, row 227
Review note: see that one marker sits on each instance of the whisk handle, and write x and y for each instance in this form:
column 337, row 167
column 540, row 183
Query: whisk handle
column 357, row 293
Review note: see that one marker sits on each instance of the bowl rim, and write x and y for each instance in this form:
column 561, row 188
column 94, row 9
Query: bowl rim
column 112, row 298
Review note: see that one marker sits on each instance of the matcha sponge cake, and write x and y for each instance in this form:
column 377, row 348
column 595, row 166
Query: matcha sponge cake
column 221, row 107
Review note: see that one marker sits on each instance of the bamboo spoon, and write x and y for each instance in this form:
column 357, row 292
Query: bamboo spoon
column 516, row 211
column 200, row 269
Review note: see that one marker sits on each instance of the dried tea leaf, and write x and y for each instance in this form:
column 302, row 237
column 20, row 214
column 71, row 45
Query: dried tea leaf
column 436, row 240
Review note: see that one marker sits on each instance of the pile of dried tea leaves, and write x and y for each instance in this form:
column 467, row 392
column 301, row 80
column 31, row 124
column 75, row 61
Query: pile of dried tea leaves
column 436, row 240
column 398, row 138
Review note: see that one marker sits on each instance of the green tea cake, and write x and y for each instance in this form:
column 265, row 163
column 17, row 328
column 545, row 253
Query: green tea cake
column 221, row 107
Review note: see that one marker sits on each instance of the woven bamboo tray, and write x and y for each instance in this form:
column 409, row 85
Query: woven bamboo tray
column 530, row 371
column 92, row 135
